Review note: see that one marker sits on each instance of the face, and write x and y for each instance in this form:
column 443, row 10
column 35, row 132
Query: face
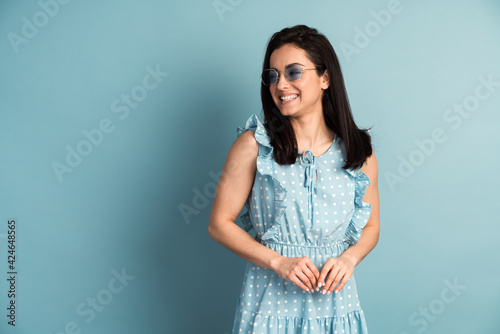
column 306, row 92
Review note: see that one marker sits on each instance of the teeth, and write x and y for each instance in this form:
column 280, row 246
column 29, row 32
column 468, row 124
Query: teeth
column 289, row 97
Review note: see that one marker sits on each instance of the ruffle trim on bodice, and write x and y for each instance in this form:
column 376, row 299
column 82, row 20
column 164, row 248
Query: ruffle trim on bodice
column 265, row 168
column 362, row 210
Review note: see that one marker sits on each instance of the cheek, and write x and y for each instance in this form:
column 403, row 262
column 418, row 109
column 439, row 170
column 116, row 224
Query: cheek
column 272, row 91
column 312, row 89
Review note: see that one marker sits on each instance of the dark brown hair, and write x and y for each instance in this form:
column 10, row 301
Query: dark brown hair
column 336, row 108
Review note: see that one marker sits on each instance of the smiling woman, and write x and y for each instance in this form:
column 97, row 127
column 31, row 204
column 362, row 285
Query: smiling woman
column 297, row 89
column 308, row 177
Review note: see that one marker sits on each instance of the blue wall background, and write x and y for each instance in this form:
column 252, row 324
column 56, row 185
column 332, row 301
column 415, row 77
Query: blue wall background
column 102, row 245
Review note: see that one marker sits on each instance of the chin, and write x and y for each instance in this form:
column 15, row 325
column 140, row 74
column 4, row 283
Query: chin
column 288, row 111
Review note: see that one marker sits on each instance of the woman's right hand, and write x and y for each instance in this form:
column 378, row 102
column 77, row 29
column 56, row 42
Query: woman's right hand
column 299, row 270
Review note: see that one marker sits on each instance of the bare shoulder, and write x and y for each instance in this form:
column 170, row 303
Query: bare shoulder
column 245, row 146
column 236, row 180
column 370, row 168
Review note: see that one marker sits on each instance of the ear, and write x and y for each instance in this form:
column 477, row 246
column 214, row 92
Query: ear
column 325, row 80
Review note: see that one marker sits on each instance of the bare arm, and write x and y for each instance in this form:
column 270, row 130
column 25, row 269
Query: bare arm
column 233, row 188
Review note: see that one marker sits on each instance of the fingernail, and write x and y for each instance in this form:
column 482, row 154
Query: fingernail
column 336, row 291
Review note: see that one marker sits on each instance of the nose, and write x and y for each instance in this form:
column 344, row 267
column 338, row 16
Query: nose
column 282, row 81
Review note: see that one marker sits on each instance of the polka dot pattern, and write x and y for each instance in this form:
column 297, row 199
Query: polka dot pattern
column 311, row 208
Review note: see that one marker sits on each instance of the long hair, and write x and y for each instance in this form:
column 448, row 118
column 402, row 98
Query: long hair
column 336, row 108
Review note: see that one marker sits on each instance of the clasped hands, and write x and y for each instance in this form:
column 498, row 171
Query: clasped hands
column 303, row 272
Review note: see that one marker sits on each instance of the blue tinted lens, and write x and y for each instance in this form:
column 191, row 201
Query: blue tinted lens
column 293, row 73
column 269, row 77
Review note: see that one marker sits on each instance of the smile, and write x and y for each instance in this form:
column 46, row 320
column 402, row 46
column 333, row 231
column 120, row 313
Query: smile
column 289, row 97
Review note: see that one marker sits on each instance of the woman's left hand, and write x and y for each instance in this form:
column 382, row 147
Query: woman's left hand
column 337, row 268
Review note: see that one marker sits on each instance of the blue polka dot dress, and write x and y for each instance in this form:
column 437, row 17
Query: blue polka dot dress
column 311, row 208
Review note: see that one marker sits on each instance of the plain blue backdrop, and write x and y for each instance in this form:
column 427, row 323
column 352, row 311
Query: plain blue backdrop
column 117, row 117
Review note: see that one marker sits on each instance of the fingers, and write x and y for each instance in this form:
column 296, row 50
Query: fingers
column 306, row 281
column 299, row 283
column 314, row 273
column 306, row 272
column 322, row 276
column 346, row 277
column 333, row 279
column 330, row 263
column 337, row 272
column 305, row 275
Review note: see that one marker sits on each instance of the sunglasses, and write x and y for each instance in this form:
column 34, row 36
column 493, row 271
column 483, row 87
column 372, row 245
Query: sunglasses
column 293, row 72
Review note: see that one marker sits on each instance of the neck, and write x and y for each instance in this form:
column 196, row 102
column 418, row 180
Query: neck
column 311, row 130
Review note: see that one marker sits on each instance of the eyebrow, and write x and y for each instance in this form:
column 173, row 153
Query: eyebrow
column 290, row 65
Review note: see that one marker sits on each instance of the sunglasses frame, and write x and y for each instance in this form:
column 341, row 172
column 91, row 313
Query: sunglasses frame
column 279, row 74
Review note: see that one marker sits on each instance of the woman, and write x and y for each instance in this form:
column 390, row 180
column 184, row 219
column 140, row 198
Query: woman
column 308, row 177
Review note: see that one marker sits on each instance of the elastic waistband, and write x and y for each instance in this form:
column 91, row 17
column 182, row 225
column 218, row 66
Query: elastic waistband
column 271, row 242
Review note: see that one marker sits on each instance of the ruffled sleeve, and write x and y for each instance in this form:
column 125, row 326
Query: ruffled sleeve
column 265, row 168
column 362, row 209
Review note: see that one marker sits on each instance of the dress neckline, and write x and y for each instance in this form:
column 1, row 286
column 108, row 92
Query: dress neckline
column 329, row 149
